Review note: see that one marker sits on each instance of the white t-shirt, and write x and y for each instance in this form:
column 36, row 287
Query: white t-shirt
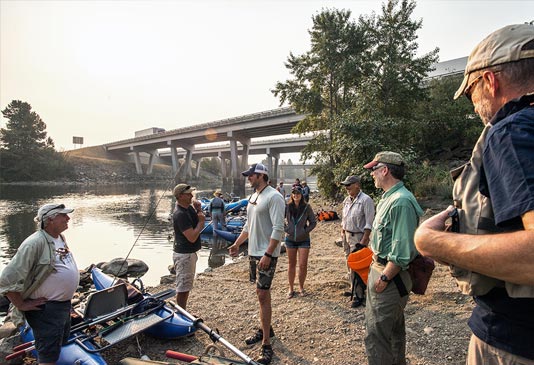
column 265, row 220
column 63, row 282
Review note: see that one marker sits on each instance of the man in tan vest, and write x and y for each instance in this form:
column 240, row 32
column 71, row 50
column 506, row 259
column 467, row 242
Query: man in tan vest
column 491, row 248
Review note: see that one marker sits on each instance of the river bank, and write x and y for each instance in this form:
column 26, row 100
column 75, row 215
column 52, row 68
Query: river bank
column 319, row 328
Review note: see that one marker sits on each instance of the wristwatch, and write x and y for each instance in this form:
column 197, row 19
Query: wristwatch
column 384, row 277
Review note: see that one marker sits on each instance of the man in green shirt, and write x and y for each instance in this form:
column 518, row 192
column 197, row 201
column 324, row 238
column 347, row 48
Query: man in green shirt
column 397, row 217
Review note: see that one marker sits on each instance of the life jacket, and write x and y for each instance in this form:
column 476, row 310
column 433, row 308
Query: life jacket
column 475, row 216
column 327, row 215
column 360, row 261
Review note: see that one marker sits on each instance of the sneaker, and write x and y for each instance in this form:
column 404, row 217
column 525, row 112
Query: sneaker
column 266, row 354
column 356, row 303
column 258, row 336
column 347, row 293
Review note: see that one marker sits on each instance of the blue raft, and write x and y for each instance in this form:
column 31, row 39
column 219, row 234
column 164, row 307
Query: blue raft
column 71, row 353
column 176, row 326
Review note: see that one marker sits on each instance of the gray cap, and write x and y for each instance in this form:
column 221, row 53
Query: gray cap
column 351, row 179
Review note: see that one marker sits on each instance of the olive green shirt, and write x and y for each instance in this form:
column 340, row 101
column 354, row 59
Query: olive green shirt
column 397, row 217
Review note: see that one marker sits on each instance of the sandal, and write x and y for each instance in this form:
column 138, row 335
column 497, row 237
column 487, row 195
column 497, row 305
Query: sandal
column 266, row 355
column 303, row 293
column 291, row 294
column 258, row 336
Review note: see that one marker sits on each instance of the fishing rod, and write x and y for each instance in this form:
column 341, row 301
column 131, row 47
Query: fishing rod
column 171, row 182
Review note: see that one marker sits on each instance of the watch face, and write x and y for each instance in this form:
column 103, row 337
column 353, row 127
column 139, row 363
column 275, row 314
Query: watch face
column 384, row 278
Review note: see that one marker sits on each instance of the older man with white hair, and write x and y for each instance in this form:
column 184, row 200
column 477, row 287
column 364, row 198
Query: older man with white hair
column 40, row 281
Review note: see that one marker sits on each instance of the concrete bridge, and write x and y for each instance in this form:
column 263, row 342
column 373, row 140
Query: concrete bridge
column 230, row 140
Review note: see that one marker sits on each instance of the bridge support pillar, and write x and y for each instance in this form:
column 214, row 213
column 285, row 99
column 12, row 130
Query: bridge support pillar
column 187, row 164
column 137, row 160
column 174, row 158
column 197, row 170
column 151, row 159
column 273, row 167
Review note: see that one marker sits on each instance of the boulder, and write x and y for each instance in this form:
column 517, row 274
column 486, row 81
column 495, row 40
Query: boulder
column 6, row 348
column 117, row 267
column 167, row 279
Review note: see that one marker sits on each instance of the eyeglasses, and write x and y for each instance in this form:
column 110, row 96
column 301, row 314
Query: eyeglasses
column 377, row 167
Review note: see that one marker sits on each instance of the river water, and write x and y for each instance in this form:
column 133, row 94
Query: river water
column 107, row 221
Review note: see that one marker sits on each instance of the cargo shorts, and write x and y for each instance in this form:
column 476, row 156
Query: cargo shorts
column 185, row 265
column 264, row 278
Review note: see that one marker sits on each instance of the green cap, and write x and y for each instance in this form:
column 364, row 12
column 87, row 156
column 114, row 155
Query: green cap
column 389, row 157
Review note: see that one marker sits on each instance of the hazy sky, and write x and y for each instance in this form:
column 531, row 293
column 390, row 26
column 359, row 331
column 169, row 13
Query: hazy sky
column 104, row 69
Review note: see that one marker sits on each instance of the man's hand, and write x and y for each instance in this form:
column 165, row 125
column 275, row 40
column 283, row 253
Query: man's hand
column 25, row 304
column 264, row 263
column 233, row 250
column 197, row 205
column 380, row 285
column 437, row 222
column 201, row 218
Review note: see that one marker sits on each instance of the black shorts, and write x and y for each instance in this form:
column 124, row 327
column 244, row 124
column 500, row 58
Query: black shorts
column 264, row 278
column 51, row 329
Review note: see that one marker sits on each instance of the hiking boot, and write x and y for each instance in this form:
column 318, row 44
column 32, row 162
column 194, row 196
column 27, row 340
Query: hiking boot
column 258, row 336
column 266, row 354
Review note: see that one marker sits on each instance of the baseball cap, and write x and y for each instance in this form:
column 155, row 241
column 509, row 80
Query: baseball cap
column 182, row 189
column 257, row 168
column 351, row 179
column 296, row 189
column 50, row 210
column 502, row 46
column 389, row 157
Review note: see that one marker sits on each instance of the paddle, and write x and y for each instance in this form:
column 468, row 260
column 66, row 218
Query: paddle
column 214, row 336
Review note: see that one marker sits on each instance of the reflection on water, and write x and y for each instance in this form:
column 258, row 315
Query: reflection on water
column 105, row 224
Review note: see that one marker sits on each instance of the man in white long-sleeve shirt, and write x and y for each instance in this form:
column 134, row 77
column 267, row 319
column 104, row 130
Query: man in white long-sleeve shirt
column 264, row 230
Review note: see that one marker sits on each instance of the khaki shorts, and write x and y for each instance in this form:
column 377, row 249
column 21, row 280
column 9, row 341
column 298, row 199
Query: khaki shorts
column 185, row 265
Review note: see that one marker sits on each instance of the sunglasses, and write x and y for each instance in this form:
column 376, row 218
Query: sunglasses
column 184, row 189
column 377, row 167
column 469, row 89
column 257, row 196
